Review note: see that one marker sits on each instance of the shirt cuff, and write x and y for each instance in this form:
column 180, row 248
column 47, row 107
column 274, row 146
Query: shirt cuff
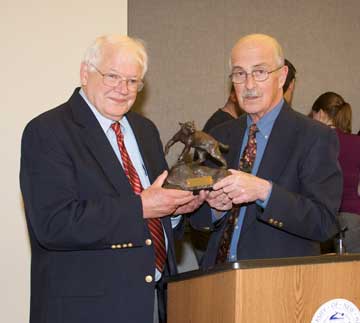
column 263, row 204
column 175, row 220
column 216, row 215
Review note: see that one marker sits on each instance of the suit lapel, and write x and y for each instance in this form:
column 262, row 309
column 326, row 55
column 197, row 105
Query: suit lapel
column 142, row 137
column 98, row 144
column 280, row 146
column 277, row 152
column 234, row 139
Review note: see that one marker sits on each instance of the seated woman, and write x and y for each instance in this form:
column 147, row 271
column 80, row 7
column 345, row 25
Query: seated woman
column 331, row 109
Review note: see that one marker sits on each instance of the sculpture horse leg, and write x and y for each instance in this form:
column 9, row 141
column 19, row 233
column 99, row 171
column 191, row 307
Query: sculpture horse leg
column 184, row 153
column 216, row 154
column 201, row 156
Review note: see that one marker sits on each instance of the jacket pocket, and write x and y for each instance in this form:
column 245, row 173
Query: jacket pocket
column 77, row 275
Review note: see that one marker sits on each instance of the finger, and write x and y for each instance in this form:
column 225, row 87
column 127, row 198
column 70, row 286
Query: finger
column 211, row 200
column 242, row 199
column 177, row 197
column 222, row 197
column 229, row 183
column 226, row 199
column 173, row 193
column 223, row 207
column 203, row 195
column 201, row 198
column 183, row 210
column 160, row 179
column 187, row 208
column 227, row 189
column 184, row 200
column 217, row 200
column 179, row 210
column 218, row 185
column 234, row 195
column 238, row 200
column 215, row 194
column 224, row 182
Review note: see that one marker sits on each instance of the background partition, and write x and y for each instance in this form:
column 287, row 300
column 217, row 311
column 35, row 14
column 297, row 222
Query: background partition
column 189, row 44
column 190, row 41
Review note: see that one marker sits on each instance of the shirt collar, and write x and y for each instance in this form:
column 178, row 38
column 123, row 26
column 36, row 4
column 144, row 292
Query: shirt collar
column 105, row 123
column 266, row 123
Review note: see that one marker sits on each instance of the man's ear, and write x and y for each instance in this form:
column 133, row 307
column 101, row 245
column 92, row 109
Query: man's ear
column 283, row 74
column 84, row 73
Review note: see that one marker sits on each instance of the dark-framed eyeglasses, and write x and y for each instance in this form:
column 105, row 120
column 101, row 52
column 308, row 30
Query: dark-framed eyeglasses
column 258, row 74
column 112, row 80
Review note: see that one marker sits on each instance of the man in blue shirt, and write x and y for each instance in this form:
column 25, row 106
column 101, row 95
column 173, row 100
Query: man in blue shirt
column 288, row 199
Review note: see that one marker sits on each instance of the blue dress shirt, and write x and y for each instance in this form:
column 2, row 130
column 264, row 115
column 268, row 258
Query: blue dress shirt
column 265, row 125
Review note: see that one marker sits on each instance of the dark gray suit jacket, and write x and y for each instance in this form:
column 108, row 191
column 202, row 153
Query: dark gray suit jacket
column 301, row 161
column 87, row 233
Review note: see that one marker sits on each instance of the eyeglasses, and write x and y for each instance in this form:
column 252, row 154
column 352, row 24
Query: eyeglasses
column 112, row 79
column 258, row 74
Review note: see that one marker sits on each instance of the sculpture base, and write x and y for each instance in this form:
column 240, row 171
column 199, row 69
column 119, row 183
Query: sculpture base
column 194, row 177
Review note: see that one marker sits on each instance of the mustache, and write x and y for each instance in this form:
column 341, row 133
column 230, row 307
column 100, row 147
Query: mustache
column 251, row 93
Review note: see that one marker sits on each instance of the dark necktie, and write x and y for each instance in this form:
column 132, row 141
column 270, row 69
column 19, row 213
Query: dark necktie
column 154, row 224
column 246, row 164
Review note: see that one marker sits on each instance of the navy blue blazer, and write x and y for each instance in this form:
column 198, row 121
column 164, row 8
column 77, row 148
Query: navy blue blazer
column 89, row 256
column 301, row 161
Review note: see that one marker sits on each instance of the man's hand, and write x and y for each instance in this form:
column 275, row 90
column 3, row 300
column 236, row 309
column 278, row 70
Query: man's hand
column 242, row 187
column 217, row 199
column 193, row 204
column 158, row 201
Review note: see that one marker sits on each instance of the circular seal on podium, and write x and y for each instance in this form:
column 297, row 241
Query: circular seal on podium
column 337, row 311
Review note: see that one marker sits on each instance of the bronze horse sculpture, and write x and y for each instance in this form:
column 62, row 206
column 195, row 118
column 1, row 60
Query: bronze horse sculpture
column 203, row 144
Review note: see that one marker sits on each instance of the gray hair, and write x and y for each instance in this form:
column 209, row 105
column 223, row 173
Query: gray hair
column 134, row 46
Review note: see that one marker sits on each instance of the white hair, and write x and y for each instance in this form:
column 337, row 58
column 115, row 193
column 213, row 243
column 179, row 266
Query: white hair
column 133, row 46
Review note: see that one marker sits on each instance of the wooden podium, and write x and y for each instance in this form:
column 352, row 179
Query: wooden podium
column 263, row 291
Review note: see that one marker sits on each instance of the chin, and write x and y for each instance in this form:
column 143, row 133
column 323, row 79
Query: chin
column 251, row 108
column 116, row 114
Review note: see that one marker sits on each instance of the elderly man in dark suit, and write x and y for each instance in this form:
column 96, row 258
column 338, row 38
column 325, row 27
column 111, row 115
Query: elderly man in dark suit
column 284, row 190
column 91, row 177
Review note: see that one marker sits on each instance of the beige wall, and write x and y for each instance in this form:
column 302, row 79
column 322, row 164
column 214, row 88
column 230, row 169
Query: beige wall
column 42, row 43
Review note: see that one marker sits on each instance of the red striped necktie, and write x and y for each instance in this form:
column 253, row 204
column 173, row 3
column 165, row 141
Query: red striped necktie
column 154, row 224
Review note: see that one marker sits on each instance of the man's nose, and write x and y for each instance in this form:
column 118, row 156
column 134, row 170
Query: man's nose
column 249, row 82
column 122, row 87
